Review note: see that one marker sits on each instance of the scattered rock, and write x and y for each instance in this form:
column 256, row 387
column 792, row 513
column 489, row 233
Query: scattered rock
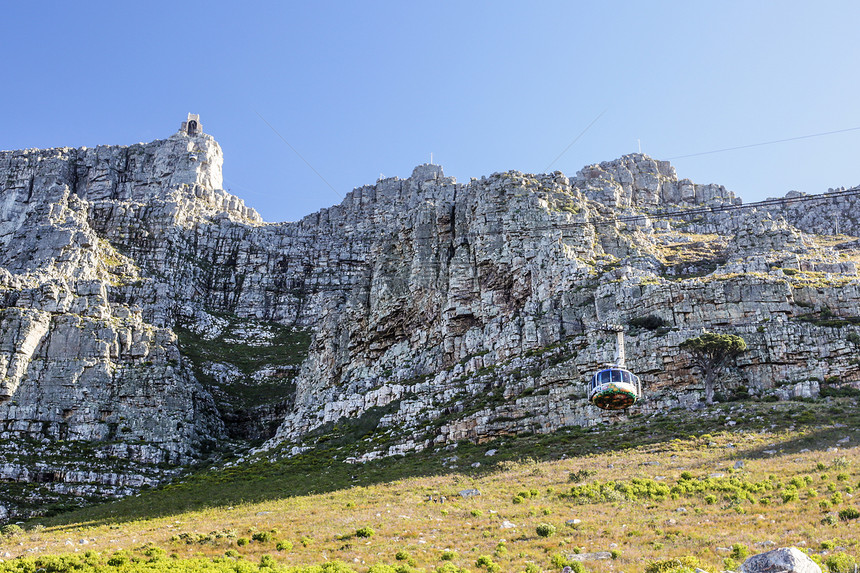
column 783, row 560
column 467, row 493
column 595, row 556
column 507, row 525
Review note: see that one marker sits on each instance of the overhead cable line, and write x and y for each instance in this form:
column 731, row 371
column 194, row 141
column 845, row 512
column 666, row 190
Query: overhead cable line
column 299, row 154
column 581, row 133
column 764, row 143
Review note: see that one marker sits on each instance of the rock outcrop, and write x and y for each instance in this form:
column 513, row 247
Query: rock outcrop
column 149, row 318
column 782, row 560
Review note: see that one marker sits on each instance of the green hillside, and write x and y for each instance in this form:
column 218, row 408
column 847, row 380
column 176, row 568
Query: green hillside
column 707, row 488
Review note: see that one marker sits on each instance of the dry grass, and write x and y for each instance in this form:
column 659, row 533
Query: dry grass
column 322, row 527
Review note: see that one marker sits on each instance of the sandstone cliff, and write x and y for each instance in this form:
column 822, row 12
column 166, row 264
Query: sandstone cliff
column 149, row 318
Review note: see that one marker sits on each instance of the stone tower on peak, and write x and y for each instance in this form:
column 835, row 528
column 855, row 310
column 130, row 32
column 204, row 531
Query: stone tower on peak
column 192, row 125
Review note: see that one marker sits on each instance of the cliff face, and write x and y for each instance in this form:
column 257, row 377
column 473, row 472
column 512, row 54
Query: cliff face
column 149, row 318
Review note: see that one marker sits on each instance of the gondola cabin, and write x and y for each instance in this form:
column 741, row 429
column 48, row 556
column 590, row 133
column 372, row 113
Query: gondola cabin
column 614, row 388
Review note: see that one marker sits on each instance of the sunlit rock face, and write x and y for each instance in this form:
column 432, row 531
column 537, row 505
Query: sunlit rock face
column 150, row 319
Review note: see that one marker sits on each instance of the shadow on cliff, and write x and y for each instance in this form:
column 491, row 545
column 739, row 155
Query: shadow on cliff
column 790, row 428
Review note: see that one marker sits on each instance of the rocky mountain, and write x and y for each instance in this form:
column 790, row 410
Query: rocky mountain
column 150, row 319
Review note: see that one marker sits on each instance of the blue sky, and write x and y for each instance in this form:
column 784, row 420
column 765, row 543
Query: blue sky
column 368, row 88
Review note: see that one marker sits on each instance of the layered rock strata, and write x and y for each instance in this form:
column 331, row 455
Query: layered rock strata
column 149, row 318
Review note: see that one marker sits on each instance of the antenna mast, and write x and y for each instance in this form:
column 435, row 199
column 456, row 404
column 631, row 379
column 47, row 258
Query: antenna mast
column 619, row 349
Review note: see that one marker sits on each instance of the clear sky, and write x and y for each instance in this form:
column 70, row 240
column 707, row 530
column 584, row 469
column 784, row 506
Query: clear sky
column 368, row 88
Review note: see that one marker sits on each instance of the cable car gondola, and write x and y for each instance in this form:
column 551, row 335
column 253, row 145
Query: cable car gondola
column 615, row 387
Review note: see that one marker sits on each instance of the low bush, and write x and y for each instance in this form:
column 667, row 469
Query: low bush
column 739, row 551
column 263, row 536
column 840, row 563
column 685, row 564
column 545, row 530
column 11, row 530
column 487, row 563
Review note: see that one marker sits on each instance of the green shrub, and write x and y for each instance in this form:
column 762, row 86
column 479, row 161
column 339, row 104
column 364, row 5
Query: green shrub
column 119, row 559
column 517, row 499
column 365, row 531
column 402, row 555
column 267, row 561
column 840, row 563
column 739, row 552
column 263, row 536
column 849, row 513
column 487, row 562
column 827, row 545
column 449, row 567
column 11, row 530
column 154, row 553
column 476, row 513
column 545, row 530
column 840, row 463
column 242, row 541
column 710, row 500
column 730, row 564
column 381, row 568
column 560, row 561
column 231, row 553
column 448, row 555
column 685, row 564
column 284, row 545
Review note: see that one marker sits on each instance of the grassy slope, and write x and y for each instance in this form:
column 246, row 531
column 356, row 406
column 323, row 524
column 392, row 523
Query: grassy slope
column 206, row 515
